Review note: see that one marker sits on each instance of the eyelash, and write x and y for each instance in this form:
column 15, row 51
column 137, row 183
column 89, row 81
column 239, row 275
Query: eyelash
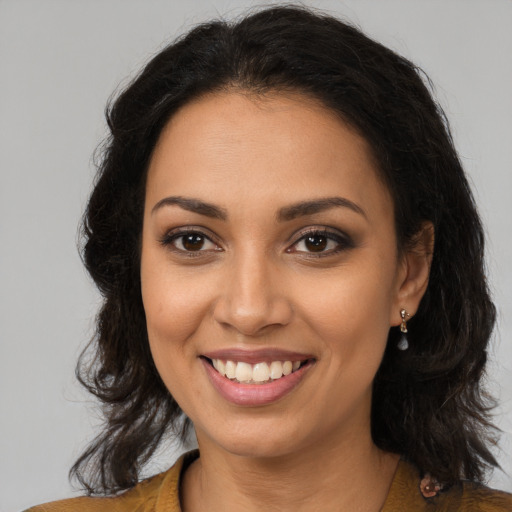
column 170, row 239
column 343, row 242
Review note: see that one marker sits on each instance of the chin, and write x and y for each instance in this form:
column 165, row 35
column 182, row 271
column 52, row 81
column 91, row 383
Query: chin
column 254, row 441
column 256, row 449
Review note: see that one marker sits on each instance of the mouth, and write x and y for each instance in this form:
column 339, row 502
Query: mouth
column 255, row 378
column 260, row 373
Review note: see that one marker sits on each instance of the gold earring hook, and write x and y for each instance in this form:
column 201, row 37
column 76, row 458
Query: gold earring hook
column 405, row 316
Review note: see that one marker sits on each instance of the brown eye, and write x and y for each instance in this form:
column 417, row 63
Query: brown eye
column 316, row 243
column 190, row 242
column 193, row 242
column 321, row 243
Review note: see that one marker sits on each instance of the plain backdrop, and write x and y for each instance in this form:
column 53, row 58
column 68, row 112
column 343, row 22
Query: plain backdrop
column 59, row 62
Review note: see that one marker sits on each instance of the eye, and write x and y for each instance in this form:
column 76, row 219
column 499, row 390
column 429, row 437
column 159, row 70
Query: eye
column 321, row 242
column 189, row 242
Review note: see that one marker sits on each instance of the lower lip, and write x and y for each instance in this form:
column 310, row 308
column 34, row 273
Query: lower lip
column 254, row 394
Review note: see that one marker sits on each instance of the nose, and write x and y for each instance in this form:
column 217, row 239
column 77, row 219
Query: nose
column 253, row 296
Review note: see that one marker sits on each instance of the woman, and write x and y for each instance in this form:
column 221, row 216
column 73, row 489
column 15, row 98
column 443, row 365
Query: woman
column 290, row 255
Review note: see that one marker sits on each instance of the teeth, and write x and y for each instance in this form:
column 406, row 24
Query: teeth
column 260, row 372
column 243, row 372
column 221, row 367
column 257, row 373
column 287, row 367
column 276, row 369
column 230, row 369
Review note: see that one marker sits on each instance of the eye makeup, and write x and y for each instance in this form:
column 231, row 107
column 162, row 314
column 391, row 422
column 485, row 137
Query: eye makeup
column 190, row 241
column 316, row 242
column 321, row 242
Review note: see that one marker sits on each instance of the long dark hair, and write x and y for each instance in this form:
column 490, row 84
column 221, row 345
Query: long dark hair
column 428, row 404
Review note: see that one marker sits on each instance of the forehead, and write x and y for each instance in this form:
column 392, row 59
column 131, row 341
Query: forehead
column 274, row 149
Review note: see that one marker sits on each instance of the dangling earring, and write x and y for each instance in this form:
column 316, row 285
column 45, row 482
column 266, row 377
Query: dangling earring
column 403, row 344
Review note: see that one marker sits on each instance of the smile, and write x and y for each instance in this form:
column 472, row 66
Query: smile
column 258, row 373
column 255, row 378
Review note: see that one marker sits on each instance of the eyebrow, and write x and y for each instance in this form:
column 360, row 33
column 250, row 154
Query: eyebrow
column 316, row 206
column 192, row 205
column 284, row 214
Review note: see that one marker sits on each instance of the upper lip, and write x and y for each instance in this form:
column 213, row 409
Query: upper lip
column 256, row 356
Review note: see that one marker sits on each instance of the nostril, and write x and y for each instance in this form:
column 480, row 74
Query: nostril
column 252, row 313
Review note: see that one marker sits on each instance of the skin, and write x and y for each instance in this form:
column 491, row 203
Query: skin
column 256, row 283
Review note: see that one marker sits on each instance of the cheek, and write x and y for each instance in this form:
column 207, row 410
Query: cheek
column 351, row 299
column 349, row 311
column 175, row 306
column 349, row 317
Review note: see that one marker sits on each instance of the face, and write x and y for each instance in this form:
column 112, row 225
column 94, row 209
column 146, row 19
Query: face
column 268, row 248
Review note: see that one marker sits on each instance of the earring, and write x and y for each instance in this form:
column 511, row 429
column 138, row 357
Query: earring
column 403, row 344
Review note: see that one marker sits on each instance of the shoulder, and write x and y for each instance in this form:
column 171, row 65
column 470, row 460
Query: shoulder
column 141, row 498
column 478, row 498
column 158, row 493
column 411, row 492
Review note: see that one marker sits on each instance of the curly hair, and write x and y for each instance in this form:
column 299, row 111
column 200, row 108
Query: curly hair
column 428, row 402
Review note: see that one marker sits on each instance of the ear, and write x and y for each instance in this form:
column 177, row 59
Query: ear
column 413, row 273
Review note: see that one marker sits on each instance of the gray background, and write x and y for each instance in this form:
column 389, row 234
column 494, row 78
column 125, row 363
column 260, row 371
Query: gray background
column 59, row 62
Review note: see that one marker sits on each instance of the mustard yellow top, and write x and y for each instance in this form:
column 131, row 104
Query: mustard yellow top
column 407, row 494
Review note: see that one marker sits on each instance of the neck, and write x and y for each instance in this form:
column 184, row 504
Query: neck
column 327, row 476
